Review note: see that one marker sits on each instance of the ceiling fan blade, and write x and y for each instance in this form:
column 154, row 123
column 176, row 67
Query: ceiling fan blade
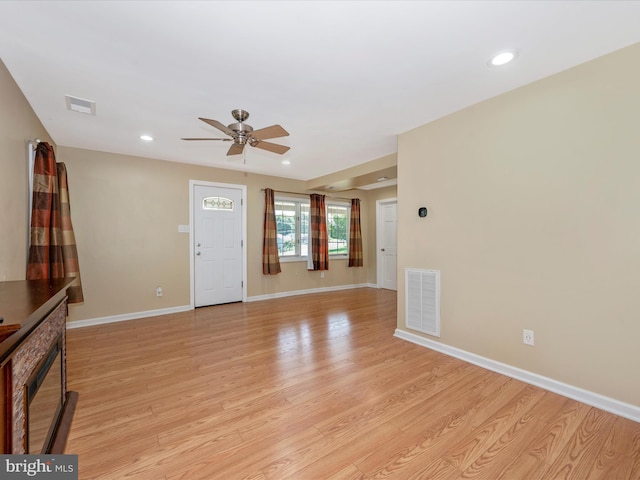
column 235, row 149
column 218, row 125
column 223, row 139
column 274, row 131
column 272, row 147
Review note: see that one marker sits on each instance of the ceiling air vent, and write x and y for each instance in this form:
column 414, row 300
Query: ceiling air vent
column 80, row 105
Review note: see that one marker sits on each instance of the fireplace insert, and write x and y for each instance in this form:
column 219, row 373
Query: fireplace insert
column 44, row 398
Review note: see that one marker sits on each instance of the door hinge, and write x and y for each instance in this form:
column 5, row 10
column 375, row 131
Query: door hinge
column 241, row 201
column 242, row 243
column 242, row 283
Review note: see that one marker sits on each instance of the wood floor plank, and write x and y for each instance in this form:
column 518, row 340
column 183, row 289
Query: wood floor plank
column 490, row 464
column 338, row 454
column 635, row 468
column 479, row 442
column 613, row 460
column 350, row 472
column 252, row 456
column 387, row 404
column 465, row 390
column 450, row 403
column 523, row 467
column 548, row 445
column 437, row 435
column 625, row 437
column 580, row 454
column 316, row 387
column 440, row 469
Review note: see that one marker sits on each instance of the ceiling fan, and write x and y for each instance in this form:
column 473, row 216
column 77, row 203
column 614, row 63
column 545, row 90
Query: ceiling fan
column 242, row 133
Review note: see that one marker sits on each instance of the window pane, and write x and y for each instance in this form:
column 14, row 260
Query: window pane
column 304, row 229
column 217, row 203
column 286, row 226
column 338, row 229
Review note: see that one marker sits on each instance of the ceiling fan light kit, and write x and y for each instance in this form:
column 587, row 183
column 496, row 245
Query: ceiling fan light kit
column 242, row 133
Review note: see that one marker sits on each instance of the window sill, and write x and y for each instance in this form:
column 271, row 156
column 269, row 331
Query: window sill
column 304, row 259
column 292, row 259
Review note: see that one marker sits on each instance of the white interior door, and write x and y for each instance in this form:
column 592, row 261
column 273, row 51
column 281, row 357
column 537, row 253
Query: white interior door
column 217, row 245
column 387, row 244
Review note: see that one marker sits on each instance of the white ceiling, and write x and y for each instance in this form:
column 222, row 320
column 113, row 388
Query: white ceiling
column 344, row 78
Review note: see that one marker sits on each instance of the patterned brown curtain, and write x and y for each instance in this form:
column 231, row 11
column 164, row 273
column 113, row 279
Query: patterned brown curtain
column 319, row 252
column 270, row 259
column 53, row 252
column 355, row 235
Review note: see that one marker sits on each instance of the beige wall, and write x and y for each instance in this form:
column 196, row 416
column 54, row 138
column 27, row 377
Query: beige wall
column 533, row 221
column 18, row 124
column 126, row 211
column 371, row 253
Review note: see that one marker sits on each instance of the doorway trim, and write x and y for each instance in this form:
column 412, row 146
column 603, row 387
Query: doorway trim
column 243, row 188
column 379, row 236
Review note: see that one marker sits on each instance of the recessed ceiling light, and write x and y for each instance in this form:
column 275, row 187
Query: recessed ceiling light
column 146, row 138
column 286, row 162
column 382, row 179
column 503, row 58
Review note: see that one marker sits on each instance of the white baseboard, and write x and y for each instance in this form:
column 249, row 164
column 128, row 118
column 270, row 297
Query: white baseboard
column 184, row 308
column 608, row 404
column 126, row 316
column 270, row 296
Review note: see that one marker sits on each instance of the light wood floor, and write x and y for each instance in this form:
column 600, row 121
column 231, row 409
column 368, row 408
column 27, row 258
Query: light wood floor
column 316, row 387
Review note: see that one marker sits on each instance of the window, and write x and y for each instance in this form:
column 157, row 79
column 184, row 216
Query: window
column 292, row 223
column 338, row 229
column 217, row 203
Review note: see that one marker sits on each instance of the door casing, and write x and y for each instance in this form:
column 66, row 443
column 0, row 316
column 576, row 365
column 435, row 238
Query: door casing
column 243, row 188
column 380, row 237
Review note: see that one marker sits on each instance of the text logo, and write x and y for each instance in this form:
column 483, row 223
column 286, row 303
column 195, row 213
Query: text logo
column 50, row 467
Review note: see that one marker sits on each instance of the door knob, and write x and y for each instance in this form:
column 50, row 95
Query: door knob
column 198, row 244
column 382, row 249
column 197, row 253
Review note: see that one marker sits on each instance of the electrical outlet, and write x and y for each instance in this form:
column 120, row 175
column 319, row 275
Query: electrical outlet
column 527, row 337
column 321, row 274
column 159, row 292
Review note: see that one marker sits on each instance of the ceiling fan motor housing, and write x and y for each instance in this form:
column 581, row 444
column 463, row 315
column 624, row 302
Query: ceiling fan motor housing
column 241, row 128
column 241, row 134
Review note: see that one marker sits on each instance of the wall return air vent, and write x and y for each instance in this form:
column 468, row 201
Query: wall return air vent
column 422, row 301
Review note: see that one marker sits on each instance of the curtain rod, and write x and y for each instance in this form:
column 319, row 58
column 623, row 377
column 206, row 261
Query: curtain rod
column 306, row 194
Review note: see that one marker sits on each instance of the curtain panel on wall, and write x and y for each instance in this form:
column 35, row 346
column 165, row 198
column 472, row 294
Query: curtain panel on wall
column 355, row 235
column 53, row 252
column 319, row 241
column 270, row 258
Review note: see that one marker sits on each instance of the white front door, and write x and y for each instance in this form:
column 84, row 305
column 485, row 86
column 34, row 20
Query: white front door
column 387, row 244
column 217, row 245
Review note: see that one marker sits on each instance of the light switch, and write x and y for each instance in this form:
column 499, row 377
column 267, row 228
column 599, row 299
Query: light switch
column 183, row 228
